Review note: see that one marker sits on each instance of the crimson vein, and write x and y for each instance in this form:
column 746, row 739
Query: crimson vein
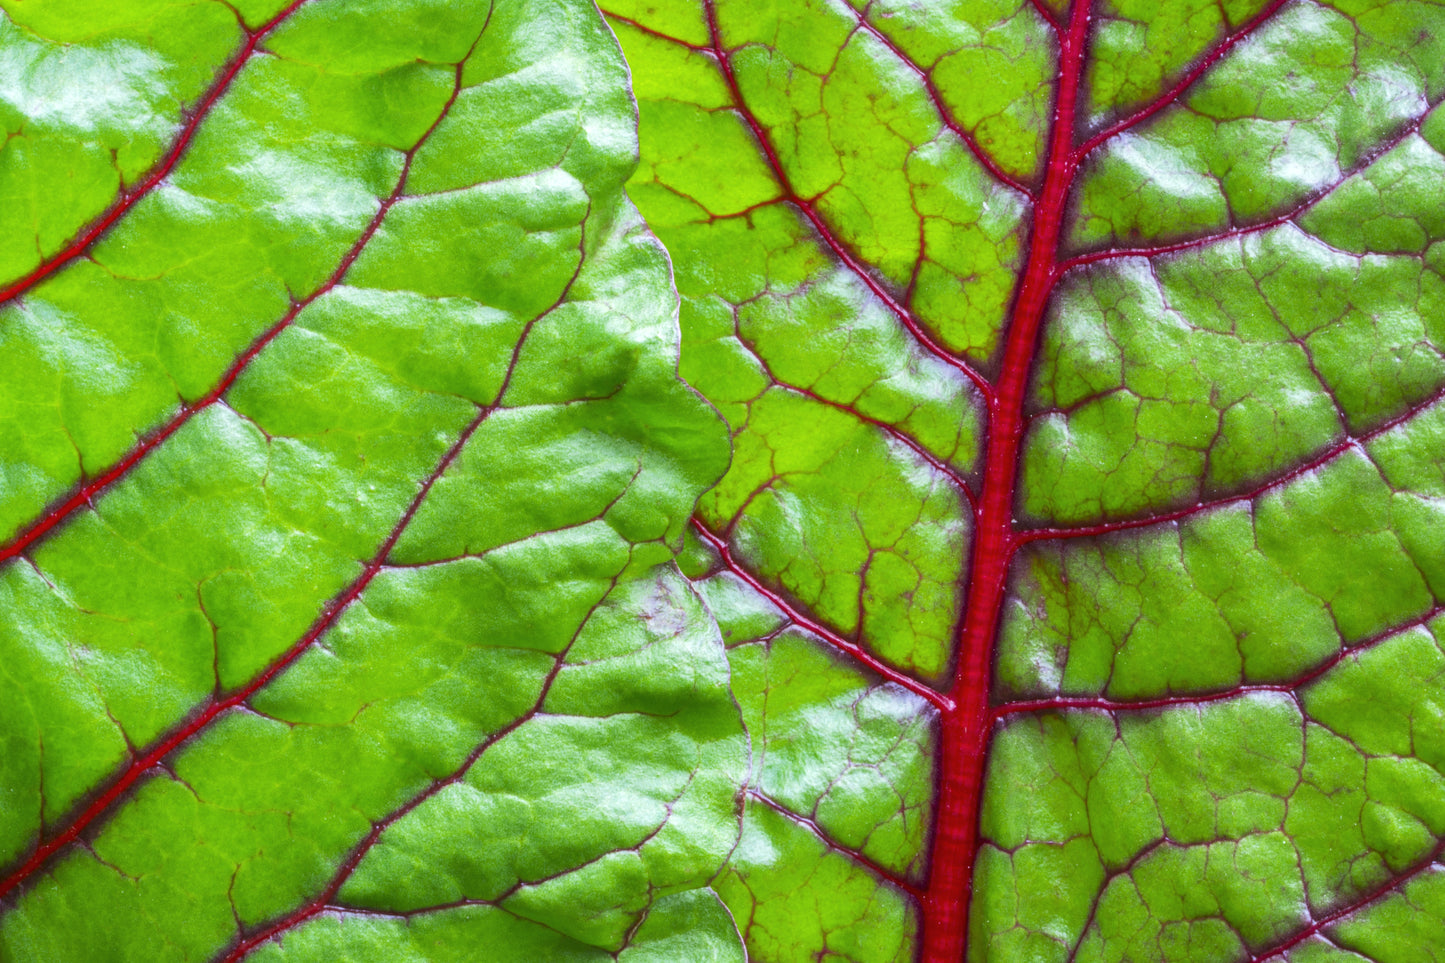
column 128, row 199
column 809, row 209
column 835, row 640
column 84, row 494
column 322, row 902
column 46, row 848
column 1324, row 458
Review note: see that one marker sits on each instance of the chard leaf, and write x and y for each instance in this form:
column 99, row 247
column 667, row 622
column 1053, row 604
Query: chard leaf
column 344, row 461
column 1082, row 557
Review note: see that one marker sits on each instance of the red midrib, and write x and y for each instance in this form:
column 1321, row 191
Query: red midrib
column 967, row 717
column 964, row 730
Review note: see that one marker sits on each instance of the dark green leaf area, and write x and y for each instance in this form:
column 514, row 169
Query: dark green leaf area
column 1180, row 266
column 1310, row 97
column 1259, row 351
column 1221, row 830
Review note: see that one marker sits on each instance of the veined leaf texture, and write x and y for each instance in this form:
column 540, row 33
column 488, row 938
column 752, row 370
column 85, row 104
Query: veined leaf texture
column 376, row 584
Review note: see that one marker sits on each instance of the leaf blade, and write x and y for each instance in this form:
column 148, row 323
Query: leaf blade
column 382, row 446
column 1203, row 452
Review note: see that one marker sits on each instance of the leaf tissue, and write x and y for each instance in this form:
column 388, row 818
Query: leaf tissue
column 376, row 584
column 1082, row 556
column 345, row 460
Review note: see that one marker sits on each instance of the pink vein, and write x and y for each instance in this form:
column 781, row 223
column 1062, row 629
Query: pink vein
column 1173, row 94
column 897, row 434
column 1193, row 243
column 1378, row 893
column 825, row 232
column 1355, row 442
column 657, row 34
column 322, row 902
column 1288, row 688
column 83, row 495
column 898, row 880
column 128, row 199
column 929, row 86
column 1126, row 869
column 140, row 764
column 817, row 628
column 1051, row 18
column 1382, row 148
column 946, row 115
column 892, row 431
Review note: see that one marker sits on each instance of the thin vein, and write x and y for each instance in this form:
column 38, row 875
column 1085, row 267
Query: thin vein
column 1405, row 131
column 944, row 113
column 655, row 34
column 1063, row 703
column 1325, row 457
column 85, row 493
column 243, row 945
column 163, row 747
column 1173, row 94
column 882, row 872
column 886, row 428
column 1051, row 18
column 1387, row 888
column 128, row 199
column 824, row 230
column 886, row 671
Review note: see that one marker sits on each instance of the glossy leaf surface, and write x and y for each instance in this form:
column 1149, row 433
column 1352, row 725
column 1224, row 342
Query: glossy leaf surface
column 344, row 463
column 1082, row 557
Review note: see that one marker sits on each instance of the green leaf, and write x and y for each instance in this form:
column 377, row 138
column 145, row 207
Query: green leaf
column 344, row 464
column 1080, row 562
